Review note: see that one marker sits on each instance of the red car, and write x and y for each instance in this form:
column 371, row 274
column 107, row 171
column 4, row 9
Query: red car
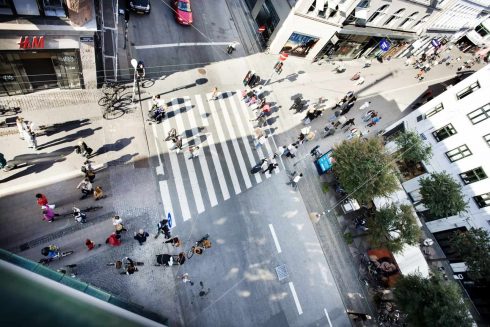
column 183, row 12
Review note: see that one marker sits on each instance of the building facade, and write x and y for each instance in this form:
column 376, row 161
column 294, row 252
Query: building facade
column 46, row 45
column 457, row 126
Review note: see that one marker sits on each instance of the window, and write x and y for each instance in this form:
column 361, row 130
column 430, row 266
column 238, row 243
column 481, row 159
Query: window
column 26, row 7
column 363, row 4
column 394, row 18
column 473, row 175
column 378, row 14
column 421, row 21
column 434, row 111
column 5, row 8
column 482, row 200
column 444, row 132
column 480, row 114
column 487, row 139
column 480, row 29
column 54, row 8
column 467, row 91
column 409, row 19
column 459, row 153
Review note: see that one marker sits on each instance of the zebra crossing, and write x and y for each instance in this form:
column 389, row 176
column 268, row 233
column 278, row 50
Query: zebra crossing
column 223, row 130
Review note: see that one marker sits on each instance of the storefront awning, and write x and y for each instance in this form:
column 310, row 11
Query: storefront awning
column 474, row 37
column 375, row 31
column 412, row 261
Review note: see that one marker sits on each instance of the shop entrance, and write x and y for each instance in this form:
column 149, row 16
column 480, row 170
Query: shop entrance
column 40, row 73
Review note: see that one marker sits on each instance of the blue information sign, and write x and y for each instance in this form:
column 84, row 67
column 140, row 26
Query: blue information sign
column 384, row 45
column 435, row 43
column 169, row 218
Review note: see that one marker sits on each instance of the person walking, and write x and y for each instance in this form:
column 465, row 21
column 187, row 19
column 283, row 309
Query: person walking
column 185, row 279
column 141, row 236
column 193, row 151
column 163, row 228
column 294, row 179
column 89, row 244
column 86, row 187
column 48, row 213
column 214, row 94
column 130, row 267
column 83, row 149
column 292, row 149
column 42, row 200
column 21, row 126
column 270, row 168
column 365, row 105
column 3, row 162
column 374, row 121
column 98, row 193
column 348, row 123
column 118, row 225
column 174, row 241
column 113, row 239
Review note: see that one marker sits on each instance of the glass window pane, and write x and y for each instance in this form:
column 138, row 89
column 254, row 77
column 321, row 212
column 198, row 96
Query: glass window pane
column 26, row 7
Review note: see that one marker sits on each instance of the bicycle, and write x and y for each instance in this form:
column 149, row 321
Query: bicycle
column 199, row 247
column 53, row 252
column 124, row 262
column 9, row 111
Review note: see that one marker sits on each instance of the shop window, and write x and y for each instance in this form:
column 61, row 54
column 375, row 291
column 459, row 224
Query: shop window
column 444, row 132
column 394, row 18
column 467, row 91
column 434, row 111
column 480, row 29
column 487, row 139
column 472, row 176
column 482, row 200
column 54, row 8
column 480, row 114
column 459, row 153
column 26, row 7
column 409, row 19
column 5, row 8
column 378, row 14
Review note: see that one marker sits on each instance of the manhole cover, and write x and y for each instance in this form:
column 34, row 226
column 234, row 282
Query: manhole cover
column 282, row 272
column 201, row 71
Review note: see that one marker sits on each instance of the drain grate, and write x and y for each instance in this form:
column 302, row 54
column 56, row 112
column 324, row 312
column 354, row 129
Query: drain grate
column 282, row 272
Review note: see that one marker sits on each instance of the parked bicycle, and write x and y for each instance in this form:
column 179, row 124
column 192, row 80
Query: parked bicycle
column 199, row 247
column 114, row 100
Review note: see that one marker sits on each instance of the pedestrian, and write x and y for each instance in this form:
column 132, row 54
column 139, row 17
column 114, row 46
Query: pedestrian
column 214, row 94
column 83, row 149
column 370, row 114
column 186, row 279
column 48, row 213
column 292, row 149
column 88, row 170
column 163, row 228
column 172, row 134
column 348, row 123
column 365, row 105
column 98, row 193
column 174, row 241
column 21, row 126
column 193, row 151
column 3, row 162
column 231, row 47
column 130, row 267
column 89, row 244
column 295, row 178
column 177, row 143
column 270, row 168
column 260, row 92
column 113, row 239
column 42, row 200
column 86, row 187
column 30, row 138
column 141, row 236
column 281, row 150
column 374, row 121
column 340, row 121
column 118, row 225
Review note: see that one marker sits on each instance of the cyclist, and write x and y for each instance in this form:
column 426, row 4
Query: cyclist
column 51, row 251
column 157, row 109
column 130, row 266
column 140, row 69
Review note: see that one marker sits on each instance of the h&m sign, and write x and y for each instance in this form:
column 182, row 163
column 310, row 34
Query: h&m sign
column 34, row 42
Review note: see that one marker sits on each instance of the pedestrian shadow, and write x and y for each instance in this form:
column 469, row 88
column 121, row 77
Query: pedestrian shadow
column 35, row 162
column 116, row 146
column 67, row 126
column 270, row 131
column 226, row 95
column 122, row 160
column 271, row 120
column 188, row 133
column 69, row 138
column 181, row 110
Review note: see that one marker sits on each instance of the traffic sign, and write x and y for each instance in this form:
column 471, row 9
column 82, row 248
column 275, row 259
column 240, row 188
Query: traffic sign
column 261, row 29
column 169, row 218
column 384, row 45
column 283, row 56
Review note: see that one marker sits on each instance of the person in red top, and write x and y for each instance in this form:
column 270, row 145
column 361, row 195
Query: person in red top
column 113, row 240
column 42, row 200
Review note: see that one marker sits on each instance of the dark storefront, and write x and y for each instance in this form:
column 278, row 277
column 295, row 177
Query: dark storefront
column 265, row 16
column 32, row 69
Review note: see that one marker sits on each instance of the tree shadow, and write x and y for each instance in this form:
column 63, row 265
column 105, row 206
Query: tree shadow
column 35, row 162
column 67, row 126
column 69, row 138
column 116, row 146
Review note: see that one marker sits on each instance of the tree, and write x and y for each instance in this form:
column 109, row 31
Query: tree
column 442, row 195
column 411, row 148
column 392, row 227
column 473, row 247
column 431, row 302
column 364, row 169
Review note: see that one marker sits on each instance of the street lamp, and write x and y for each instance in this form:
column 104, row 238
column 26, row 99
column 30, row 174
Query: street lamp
column 134, row 63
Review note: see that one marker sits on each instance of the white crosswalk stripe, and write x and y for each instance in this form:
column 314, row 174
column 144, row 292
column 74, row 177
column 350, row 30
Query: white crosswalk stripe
column 198, row 182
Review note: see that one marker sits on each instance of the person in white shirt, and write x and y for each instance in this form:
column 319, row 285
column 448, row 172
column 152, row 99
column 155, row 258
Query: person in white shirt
column 365, row 105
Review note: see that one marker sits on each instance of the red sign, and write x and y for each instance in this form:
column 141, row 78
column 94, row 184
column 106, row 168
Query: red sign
column 283, row 56
column 36, row 43
column 261, row 29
